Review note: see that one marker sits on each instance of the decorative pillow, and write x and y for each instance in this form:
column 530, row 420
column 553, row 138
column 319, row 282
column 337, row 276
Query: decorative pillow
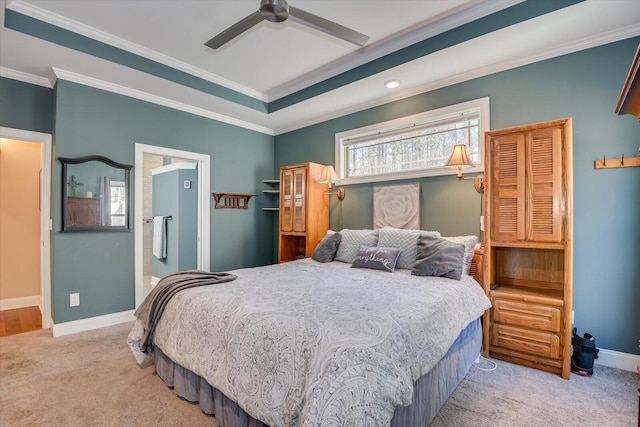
column 376, row 258
column 405, row 240
column 469, row 243
column 351, row 242
column 326, row 249
column 430, row 233
column 439, row 257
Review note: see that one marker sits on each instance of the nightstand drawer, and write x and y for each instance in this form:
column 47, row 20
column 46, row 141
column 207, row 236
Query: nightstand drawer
column 541, row 317
column 527, row 341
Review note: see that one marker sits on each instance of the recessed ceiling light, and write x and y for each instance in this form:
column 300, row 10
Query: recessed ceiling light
column 392, row 84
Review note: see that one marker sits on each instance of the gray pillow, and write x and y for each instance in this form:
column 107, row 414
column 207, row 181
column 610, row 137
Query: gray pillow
column 326, row 249
column 376, row 258
column 439, row 257
column 351, row 242
column 405, row 240
column 469, row 243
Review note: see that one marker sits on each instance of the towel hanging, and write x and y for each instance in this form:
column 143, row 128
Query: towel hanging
column 160, row 236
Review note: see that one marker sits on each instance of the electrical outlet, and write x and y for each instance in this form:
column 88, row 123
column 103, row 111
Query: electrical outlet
column 74, row 300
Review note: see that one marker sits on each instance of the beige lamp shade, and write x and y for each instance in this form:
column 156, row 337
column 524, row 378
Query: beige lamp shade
column 328, row 176
column 459, row 159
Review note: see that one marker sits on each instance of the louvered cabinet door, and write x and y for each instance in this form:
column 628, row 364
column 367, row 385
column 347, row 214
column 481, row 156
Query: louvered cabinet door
column 286, row 200
column 544, row 179
column 508, row 187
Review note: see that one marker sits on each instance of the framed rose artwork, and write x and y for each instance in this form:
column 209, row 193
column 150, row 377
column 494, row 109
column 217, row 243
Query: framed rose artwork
column 397, row 206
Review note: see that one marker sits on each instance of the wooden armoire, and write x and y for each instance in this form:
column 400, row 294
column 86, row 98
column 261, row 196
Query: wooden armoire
column 528, row 245
column 304, row 211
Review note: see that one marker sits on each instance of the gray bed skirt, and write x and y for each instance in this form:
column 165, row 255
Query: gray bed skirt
column 430, row 391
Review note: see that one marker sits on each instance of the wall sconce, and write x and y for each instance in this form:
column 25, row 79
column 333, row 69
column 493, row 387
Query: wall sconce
column 459, row 159
column 330, row 177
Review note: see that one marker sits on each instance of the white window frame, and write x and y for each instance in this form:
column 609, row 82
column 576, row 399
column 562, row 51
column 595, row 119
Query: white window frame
column 481, row 106
column 121, row 184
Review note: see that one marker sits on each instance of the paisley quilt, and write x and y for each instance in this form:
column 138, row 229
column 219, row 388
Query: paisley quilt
column 309, row 344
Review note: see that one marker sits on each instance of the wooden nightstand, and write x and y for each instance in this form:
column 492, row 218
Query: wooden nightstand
column 476, row 270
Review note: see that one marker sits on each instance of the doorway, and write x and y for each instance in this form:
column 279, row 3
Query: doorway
column 41, row 193
column 146, row 158
column 163, row 195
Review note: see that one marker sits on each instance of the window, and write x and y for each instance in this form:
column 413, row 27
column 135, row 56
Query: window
column 118, row 203
column 414, row 146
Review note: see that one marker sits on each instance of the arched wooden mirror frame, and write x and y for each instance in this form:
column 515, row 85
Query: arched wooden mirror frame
column 89, row 209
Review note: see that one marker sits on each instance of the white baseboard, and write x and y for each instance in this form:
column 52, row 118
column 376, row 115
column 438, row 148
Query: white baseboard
column 30, row 301
column 616, row 359
column 82, row 325
column 154, row 280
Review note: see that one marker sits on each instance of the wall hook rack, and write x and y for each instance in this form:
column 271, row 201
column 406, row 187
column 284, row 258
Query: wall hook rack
column 621, row 162
column 232, row 201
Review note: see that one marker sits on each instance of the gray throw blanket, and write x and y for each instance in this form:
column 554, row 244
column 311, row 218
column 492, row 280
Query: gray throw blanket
column 154, row 304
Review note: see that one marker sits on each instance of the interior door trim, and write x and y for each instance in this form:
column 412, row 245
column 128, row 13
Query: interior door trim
column 204, row 208
column 46, row 222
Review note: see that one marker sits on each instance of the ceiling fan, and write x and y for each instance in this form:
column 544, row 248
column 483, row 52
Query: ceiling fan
column 279, row 11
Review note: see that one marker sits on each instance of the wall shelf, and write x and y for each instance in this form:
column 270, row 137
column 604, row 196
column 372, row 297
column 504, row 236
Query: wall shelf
column 274, row 190
column 232, row 200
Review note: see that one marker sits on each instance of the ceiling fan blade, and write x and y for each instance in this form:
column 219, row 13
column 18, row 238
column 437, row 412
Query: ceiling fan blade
column 326, row 26
column 235, row 30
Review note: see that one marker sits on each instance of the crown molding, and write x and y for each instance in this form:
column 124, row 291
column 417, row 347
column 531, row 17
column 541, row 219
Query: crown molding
column 24, row 77
column 564, row 49
column 57, row 73
column 74, row 26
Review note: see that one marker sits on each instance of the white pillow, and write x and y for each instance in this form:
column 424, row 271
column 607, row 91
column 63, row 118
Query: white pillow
column 469, row 243
column 351, row 242
column 405, row 240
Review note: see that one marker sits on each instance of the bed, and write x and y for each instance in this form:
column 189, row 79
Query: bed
column 319, row 343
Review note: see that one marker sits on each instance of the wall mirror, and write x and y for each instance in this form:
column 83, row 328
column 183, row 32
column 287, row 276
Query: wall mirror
column 95, row 194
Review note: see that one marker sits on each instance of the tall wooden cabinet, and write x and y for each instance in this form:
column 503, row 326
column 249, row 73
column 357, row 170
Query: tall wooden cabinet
column 528, row 245
column 304, row 211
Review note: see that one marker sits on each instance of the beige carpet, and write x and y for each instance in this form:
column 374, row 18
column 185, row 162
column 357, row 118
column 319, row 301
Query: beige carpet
column 91, row 379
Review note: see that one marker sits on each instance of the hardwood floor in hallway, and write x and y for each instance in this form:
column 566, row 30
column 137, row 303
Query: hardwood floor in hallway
column 19, row 320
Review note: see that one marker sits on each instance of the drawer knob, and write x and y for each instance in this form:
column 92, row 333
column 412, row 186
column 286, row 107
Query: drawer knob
column 524, row 299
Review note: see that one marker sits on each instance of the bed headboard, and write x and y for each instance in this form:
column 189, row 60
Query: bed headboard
column 475, row 269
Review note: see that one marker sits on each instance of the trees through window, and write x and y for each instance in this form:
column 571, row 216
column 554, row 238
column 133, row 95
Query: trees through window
column 414, row 146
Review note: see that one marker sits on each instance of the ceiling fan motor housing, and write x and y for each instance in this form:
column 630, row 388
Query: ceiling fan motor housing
column 274, row 10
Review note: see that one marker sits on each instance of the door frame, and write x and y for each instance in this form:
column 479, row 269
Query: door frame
column 46, row 224
column 204, row 209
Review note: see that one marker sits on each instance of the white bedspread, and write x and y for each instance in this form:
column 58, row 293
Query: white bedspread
column 305, row 343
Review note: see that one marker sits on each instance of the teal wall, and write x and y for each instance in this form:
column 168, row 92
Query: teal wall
column 99, row 265
column 447, row 205
column 25, row 106
column 584, row 85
